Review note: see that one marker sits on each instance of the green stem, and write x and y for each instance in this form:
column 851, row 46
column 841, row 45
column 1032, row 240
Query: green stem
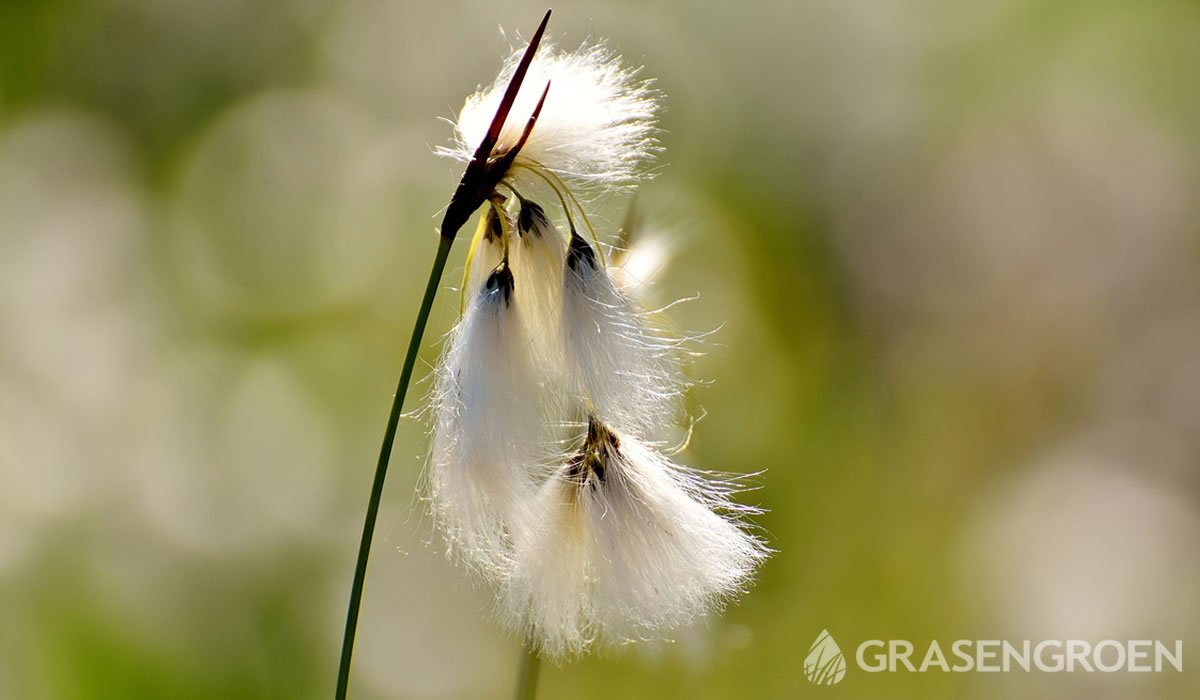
column 385, row 454
column 531, row 663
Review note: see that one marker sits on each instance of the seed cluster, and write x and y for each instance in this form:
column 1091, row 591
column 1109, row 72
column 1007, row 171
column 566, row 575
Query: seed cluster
column 544, row 473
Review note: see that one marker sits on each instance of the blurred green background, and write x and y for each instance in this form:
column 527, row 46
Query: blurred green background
column 952, row 249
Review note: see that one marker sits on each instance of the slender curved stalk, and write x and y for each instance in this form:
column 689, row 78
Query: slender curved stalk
column 559, row 188
column 385, row 454
column 527, row 679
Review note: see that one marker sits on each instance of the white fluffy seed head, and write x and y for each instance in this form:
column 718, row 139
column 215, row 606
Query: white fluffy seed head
column 627, row 545
column 672, row 547
column 538, row 255
column 628, row 372
column 487, row 422
column 549, row 593
column 597, row 127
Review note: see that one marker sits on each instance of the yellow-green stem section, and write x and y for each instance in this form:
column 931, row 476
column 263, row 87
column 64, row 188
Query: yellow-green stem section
column 466, row 281
column 528, row 676
column 385, row 454
column 546, row 174
column 506, row 233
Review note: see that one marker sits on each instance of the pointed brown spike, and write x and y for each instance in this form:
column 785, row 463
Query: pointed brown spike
column 510, row 93
column 532, row 119
column 476, row 182
column 508, row 158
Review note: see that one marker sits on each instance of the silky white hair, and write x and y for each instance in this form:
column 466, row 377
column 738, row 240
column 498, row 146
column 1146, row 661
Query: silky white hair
column 596, row 128
column 624, row 545
column 537, row 257
column 549, row 592
column 628, row 372
column 487, row 423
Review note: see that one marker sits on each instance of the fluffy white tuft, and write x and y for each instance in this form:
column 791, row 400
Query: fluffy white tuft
column 670, row 542
column 629, row 373
column 597, row 126
column 627, row 545
column 487, row 423
column 549, row 596
column 538, row 255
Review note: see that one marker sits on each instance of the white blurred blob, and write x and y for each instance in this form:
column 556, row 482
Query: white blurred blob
column 1083, row 545
column 232, row 455
column 287, row 205
column 71, row 316
column 636, row 268
column 1101, row 538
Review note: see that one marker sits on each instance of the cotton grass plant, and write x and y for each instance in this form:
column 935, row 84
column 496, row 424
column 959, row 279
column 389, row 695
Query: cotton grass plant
column 544, row 475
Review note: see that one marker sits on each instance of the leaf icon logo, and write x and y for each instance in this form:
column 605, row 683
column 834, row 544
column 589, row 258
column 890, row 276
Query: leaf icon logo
column 824, row 664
